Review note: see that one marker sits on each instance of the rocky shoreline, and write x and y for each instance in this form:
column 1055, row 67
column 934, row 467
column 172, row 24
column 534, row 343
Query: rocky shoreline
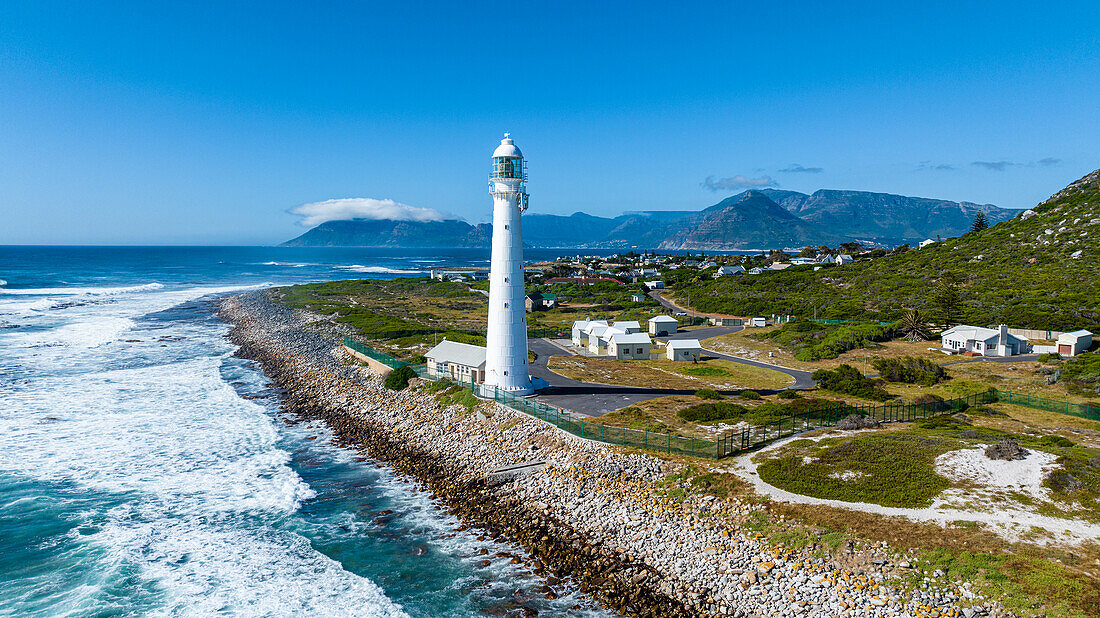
column 597, row 515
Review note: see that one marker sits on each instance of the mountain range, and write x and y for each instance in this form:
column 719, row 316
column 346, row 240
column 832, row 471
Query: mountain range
column 756, row 219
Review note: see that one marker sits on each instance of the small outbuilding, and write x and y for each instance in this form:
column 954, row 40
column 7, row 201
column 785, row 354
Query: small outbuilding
column 580, row 330
column 758, row 321
column 684, row 350
column 628, row 326
column 460, row 362
column 1072, row 344
column 655, row 285
column 540, row 301
column 630, row 346
column 843, row 259
column 638, row 298
column 662, row 325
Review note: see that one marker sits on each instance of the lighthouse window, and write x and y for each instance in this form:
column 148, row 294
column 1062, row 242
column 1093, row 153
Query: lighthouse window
column 506, row 279
column 505, row 226
column 505, row 305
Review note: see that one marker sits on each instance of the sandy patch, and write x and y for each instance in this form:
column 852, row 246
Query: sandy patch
column 971, row 466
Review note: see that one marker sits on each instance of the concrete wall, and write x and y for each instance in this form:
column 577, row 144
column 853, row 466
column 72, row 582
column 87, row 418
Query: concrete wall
column 375, row 366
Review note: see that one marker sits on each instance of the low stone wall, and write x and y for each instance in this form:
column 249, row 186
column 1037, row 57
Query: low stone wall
column 381, row 369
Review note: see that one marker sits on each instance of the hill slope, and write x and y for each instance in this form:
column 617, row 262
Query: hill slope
column 390, row 233
column 884, row 217
column 750, row 220
column 1037, row 270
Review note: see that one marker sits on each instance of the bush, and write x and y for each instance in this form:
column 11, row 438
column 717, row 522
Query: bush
column 855, row 421
column 708, row 393
column 705, row 412
column 398, row 380
column 849, row 381
column 811, row 341
column 1081, row 374
column 1056, row 441
column 910, row 370
column 1006, row 449
column 749, row 395
column 788, row 394
column 1050, row 357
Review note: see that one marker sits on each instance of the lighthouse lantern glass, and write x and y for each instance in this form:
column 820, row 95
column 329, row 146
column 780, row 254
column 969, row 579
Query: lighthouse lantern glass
column 507, row 167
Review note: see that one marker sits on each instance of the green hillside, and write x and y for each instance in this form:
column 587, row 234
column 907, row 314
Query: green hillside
column 1037, row 270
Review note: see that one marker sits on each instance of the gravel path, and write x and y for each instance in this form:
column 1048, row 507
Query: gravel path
column 1009, row 523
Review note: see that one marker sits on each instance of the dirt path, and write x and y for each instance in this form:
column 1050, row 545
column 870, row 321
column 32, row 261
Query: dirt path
column 1010, row 524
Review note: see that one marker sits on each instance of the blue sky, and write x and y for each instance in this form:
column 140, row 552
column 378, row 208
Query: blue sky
column 207, row 123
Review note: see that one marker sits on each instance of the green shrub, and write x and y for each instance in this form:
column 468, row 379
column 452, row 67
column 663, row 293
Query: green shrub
column 1056, row 441
column 1050, row 357
column 910, row 370
column 849, row 381
column 707, row 393
column 811, row 341
column 1081, row 374
column 398, row 380
column 749, row 395
column 788, row 394
column 717, row 411
column 704, row 371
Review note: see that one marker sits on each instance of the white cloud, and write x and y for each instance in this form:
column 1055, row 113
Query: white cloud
column 344, row 209
column 738, row 182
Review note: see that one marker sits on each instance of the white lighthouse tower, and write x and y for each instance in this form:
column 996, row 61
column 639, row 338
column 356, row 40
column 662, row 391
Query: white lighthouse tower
column 506, row 340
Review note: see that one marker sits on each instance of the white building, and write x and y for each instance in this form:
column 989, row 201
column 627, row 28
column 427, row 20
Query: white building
column 598, row 337
column 660, row 325
column 757, row 321
column 843, row 259
column 459, row 362
column 638, row 298
column 779, row 266
column 802, row 261
column 580, row 330
column 726, row 271
column 628, row 326
column 654, row 285
column 630, row 346
column 982, row 341
column 1072, row 344
column 683, row 350
column 506, row 339
column 924, row 243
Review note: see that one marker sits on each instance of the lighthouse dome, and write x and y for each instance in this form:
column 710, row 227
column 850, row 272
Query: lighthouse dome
column 507, row 148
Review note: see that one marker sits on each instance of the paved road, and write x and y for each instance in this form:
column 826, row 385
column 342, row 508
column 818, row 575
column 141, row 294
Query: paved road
column 597, row 399
column 802, row 379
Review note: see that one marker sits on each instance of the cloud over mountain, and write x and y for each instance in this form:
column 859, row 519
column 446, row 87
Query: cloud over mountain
column 344, row 209
column 795, row 168
column 738, row 183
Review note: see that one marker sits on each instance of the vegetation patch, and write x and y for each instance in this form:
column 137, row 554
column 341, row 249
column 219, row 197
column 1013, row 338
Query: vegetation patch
column 1081, row 374
column 810, row 341
column 849, row 381
column 910, row 370
column 888, row 469
column 398, row 379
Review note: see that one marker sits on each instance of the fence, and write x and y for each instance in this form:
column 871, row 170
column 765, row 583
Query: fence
column 829, row 415
column 1083, row 410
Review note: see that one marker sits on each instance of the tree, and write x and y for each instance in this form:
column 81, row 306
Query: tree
column 946, row 300
column 913, row 326
column 980, row 223
column 851, row 248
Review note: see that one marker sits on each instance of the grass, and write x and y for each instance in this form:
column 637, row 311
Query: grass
column 883, row 468
column 712, row 373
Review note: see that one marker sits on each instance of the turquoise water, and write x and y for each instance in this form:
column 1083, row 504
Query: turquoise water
column 143, row 469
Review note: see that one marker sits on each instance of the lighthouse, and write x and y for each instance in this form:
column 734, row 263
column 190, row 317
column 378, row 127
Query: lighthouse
column 506, row 340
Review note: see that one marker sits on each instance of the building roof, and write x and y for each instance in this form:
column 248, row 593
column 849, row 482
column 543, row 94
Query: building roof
column 977, row 333
column 627, row 324
column 1079, row 333
column 592, row 325
column 458, row 353
column 542, row 296
column 630, row 338
column 662, row 318
column 582, row 280
column 507, row 148
column 684, row 344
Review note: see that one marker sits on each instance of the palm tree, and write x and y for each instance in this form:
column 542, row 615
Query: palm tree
column 913, row 326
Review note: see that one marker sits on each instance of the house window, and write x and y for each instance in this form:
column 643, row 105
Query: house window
column 639, row 350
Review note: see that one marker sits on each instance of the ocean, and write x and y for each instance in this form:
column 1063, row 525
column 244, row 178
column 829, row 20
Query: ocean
column 143, row 470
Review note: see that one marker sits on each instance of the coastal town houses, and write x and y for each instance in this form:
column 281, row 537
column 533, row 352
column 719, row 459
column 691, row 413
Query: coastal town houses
column 458, row 362
column 662, row 325
column 726, row 271
column 683, row 350
column 979, row 341
column 598, row 336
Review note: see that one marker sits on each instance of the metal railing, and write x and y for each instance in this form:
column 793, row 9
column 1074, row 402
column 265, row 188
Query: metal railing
column 1083, row 410
column 829, row 415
